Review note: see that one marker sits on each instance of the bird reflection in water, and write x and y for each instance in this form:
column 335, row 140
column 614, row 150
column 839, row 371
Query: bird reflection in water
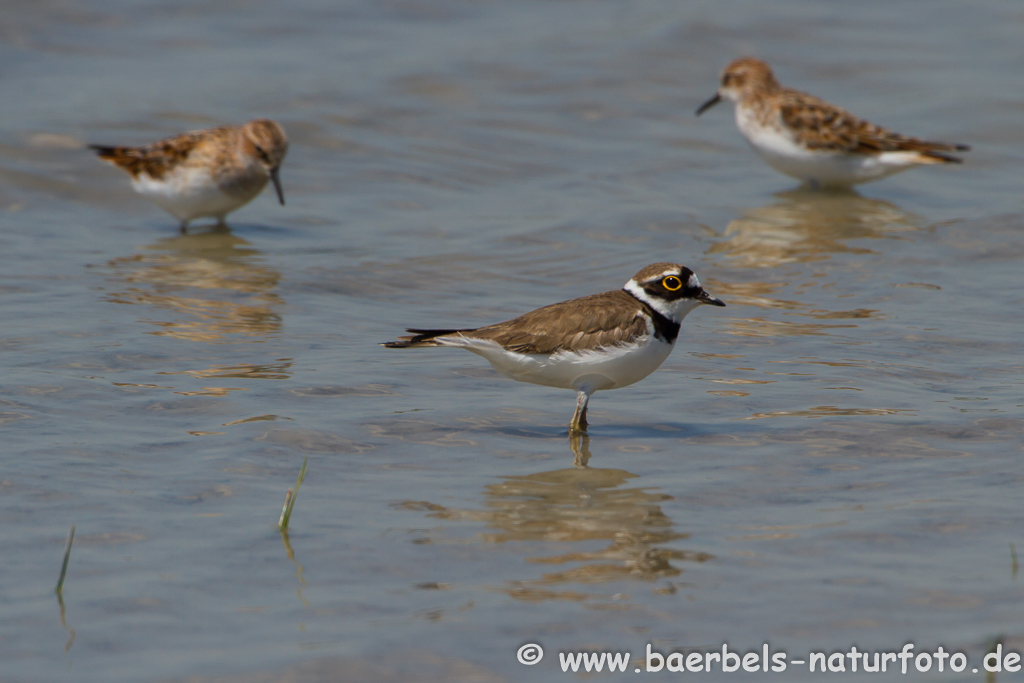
column 214, row 286
column 579, row 505
column 802, row 226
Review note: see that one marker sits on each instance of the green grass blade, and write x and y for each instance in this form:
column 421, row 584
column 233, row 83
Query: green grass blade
column 289, row 499
column 67, row 557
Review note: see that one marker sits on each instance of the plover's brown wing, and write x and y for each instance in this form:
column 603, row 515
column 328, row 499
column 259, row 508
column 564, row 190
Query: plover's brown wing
column 587, row 323
column 160, row 158
column 584, row 324
column 819, row 125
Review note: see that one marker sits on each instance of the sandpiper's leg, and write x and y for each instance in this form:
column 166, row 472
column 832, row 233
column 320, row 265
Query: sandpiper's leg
column 184, row 227
column 579, row 418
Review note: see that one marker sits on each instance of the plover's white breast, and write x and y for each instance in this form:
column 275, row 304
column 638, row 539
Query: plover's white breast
column 609, row 367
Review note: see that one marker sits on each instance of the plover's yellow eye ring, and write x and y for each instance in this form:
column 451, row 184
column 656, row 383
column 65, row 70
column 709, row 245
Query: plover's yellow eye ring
column 672, row 283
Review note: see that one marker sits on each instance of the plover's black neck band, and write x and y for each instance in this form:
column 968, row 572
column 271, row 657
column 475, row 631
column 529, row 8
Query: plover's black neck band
column 664, row 327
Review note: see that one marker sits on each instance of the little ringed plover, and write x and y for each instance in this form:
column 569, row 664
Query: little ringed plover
column 597, row 342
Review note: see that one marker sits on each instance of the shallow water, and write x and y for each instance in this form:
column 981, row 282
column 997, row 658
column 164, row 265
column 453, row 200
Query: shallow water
column 833, row 459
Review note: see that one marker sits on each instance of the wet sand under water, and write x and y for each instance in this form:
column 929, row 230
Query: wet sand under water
column 831, row 460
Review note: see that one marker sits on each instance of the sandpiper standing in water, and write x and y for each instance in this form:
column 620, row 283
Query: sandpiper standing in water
column 205, row 172
column 814, row 141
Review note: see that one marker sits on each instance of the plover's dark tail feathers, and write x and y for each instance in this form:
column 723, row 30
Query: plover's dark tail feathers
column 420, row 338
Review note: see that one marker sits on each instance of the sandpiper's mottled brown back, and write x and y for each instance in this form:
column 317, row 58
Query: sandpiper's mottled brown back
column 817, row 124
column 157, row 159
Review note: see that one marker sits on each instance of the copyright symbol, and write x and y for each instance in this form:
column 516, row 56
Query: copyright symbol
column 530, row 654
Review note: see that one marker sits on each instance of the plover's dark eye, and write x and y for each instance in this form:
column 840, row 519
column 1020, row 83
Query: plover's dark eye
column 672, row 283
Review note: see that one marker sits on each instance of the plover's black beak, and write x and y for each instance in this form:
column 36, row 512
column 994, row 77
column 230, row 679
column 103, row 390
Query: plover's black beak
column 706, row 298
column 707, row 105
column 275, row 177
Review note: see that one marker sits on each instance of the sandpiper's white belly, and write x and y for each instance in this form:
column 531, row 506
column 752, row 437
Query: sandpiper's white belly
column 589, row 371
column 190, row 193
column 780, row 151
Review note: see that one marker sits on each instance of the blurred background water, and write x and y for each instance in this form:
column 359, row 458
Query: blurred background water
column 832, row 460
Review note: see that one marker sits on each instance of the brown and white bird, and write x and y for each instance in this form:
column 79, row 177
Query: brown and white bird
column 814, row 141
column 205, row 172
column 597, row 342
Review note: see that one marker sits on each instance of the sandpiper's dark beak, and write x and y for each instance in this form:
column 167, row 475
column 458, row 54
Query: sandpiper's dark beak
column 710, row 103
column 706, row 298
column 275, row 176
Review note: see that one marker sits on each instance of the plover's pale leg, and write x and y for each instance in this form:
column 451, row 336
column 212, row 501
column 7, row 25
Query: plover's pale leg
column 579, row 418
